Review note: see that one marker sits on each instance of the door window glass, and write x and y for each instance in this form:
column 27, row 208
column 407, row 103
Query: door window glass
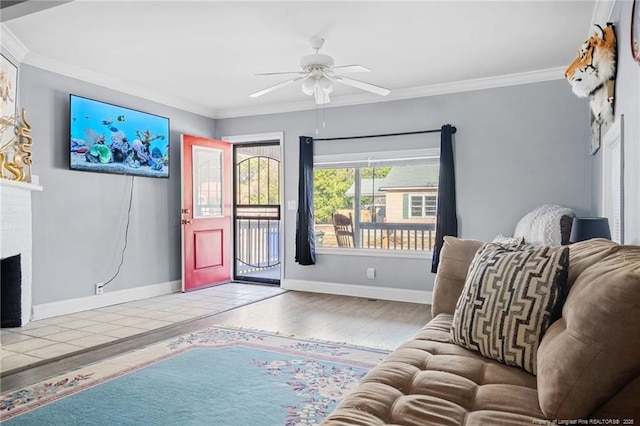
column 207, row 182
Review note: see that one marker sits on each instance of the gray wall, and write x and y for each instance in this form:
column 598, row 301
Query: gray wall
column 516, row 148
column 511, row 156
column 79, row 217
column 627, row 102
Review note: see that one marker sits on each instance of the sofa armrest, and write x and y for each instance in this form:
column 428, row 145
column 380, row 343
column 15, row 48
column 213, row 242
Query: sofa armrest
column 455, row 259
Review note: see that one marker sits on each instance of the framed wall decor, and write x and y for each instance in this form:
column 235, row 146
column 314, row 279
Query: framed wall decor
column 8, row 101
column 8, row 87
column 635, row 31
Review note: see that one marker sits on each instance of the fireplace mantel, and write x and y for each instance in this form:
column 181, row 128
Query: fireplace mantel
column 20, row 185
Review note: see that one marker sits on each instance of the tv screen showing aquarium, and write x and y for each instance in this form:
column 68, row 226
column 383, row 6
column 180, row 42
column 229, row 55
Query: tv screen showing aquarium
column 112, row 139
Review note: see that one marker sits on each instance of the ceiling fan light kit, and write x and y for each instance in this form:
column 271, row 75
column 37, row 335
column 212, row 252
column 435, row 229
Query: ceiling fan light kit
column 318, row 75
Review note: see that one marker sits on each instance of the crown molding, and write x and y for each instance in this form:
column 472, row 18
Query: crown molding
column 406, row 93
column 113, row 83
column 14, row 46
column 601, row 13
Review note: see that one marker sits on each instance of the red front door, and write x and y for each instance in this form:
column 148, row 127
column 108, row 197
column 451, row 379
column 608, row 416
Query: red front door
column 206, row 212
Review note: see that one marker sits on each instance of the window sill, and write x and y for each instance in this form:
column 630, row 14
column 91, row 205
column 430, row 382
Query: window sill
column 405, row 254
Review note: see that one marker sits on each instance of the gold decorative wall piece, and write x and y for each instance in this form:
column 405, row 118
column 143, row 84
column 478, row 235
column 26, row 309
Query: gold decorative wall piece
column 15, row 152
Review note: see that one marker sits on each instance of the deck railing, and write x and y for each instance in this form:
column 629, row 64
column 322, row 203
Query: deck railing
column 257, row 245
column 257, row 240
column 396, row 236
column 383, row 236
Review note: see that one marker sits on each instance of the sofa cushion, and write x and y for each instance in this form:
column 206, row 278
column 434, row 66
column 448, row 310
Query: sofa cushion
column 623, row 405
column 586, row 253
column 455, row 259
column 509, row 299
column 591, row 353
column 430, row 381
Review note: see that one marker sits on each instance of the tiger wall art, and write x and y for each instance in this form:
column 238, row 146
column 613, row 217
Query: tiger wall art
column 592, row 74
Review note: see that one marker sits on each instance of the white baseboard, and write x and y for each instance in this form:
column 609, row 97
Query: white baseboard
column 384, row 293
column 62, row 307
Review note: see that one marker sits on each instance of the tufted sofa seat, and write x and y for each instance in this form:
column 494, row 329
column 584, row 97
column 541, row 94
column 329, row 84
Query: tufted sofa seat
column 429, row 381
column 588, row 362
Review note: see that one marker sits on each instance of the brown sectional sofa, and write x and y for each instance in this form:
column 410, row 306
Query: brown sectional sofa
column 588, row 361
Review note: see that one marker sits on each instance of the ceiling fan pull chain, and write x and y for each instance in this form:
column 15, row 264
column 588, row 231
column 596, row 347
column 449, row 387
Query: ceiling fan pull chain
column 324, row 124
column 317, row 131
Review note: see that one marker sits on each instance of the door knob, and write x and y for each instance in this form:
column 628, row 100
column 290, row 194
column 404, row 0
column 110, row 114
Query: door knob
column 186, row 221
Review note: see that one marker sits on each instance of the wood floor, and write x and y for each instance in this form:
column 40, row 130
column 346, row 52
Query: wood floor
column 357, row 321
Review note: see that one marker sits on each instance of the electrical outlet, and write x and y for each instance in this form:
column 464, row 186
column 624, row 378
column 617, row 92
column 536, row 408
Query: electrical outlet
column 371, row 273
column 99, row 289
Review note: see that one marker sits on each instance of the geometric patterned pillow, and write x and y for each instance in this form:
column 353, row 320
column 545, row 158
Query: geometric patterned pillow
column 510, row 297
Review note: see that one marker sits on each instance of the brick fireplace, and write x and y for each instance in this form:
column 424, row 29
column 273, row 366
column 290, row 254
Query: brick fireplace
column 16, row 239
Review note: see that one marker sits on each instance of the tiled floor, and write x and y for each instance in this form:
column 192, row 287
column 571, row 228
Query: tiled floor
column 57, row 337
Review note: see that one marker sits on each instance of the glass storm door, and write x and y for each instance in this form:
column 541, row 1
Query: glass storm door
column 206, row 212
column 257, row 212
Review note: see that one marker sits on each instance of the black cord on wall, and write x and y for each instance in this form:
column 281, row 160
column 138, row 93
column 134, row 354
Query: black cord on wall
column 126, row 237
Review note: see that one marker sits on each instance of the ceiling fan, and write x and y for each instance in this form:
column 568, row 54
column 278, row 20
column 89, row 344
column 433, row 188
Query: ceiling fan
column 319, row 74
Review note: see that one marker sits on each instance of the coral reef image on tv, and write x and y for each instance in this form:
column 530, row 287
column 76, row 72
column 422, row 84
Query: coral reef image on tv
column 113, row 139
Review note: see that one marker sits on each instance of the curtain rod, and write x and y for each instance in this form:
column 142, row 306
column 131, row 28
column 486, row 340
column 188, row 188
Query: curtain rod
column 453, row 130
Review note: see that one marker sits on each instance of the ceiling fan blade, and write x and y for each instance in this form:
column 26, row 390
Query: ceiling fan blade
column 378, row 90
column 276, row 87
column 281, row 73
column 352, row 68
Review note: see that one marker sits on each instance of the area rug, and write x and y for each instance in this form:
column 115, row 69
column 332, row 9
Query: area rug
column 216, row 376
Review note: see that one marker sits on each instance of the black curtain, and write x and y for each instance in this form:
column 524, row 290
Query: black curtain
column 305, row 238
column 447, row 216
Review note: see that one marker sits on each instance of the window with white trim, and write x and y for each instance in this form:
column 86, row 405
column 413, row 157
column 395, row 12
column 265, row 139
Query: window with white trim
column 377, row 201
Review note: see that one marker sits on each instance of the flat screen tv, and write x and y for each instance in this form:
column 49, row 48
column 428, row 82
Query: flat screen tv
column 112, row 139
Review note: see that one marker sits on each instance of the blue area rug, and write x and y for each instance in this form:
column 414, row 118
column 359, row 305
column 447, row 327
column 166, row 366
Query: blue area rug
column 216, row 376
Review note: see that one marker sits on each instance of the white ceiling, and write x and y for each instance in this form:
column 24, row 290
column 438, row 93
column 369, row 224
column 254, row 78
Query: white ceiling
column 202, row 56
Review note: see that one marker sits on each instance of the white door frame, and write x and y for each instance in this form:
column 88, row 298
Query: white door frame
column 266, row 137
